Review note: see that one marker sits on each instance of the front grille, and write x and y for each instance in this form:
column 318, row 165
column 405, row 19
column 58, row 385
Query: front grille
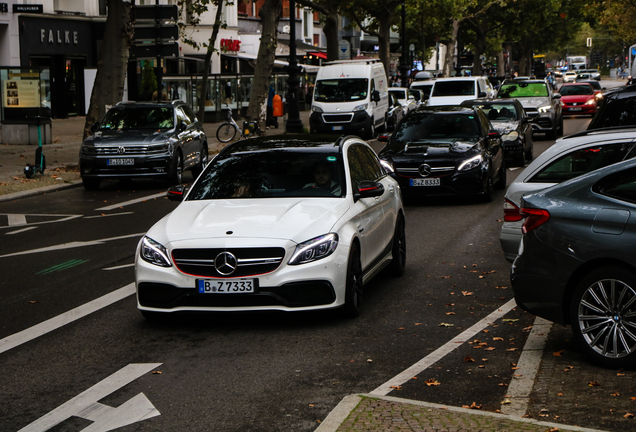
column 337, row 118
column 544, row 122
column 131, row 150
column 249, row 261
column 435, row 171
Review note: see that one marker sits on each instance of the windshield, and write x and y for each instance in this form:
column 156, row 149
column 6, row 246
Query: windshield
column 425, row 127
column 523, row 89
column 576, row 90
column 138, row 118
column 341, row 90
column 454, row 88
column 277, row 173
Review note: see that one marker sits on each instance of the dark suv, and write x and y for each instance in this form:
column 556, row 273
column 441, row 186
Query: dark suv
column 618, row 109
column 146, row 139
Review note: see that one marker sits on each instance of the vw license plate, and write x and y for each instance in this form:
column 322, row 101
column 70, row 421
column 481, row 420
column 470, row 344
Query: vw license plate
column 121, row 161
column 425, row 182
column 225, row 286
column 336, row 127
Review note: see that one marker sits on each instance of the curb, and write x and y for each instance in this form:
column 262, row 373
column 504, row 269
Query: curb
column 349, row 403
column 39, row 191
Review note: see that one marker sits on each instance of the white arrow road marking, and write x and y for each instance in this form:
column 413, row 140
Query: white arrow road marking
column 105, row 418
column 71, row 245
column 135, row 201
column 20, row 219
column 107, row 215
column 54, row 323
column 439, row 353
column 20, row 231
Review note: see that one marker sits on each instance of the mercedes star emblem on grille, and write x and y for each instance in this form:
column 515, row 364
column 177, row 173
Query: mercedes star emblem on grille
column 225, row 263
column 424, row 170
column 121, row 150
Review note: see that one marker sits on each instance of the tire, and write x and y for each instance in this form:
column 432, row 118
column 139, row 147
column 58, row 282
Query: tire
column 353, row 293
column 560, row 129
column 603, row 316
column 503, row 177
column 226, row 132
column 530, row 150
column 198, row 169
column 488, row 191
column 175, row 175
column 398, row 263
column 90, row 184
column 520, row 160
column 371, row 133
column 552, row 133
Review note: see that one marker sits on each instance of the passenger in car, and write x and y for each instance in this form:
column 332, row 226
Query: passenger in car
column 323, row 178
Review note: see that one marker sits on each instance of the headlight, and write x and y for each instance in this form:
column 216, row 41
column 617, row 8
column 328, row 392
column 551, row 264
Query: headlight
column 598, row 96
column 316, row 109
column 314, row 249
column 88, row 150
column 163, row 147
column 591, row 102
column 387, row 165
column 154, row 253
column 511, row 136
column 545, row 109
column 361, row 107
column 471, row 163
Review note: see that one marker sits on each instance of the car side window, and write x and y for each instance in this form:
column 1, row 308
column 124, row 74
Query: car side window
column 373, row 163
column 621, row 185
column 181, row 117
column 359, row 167
column 581, row 161
column 189, row 113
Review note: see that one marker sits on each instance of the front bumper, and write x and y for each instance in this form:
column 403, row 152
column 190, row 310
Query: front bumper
column 143, row 166
column 510, row 238
column 471, row 182
column 579, row 110
column 317, row 285
column 358, row 123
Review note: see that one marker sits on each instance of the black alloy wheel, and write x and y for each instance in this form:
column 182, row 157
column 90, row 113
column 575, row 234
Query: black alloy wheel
column 530, row 149
column 488, row 190
column 503, row 177
column 353, row 293
column 398, row 262
column 174, row 177
column 603, row 316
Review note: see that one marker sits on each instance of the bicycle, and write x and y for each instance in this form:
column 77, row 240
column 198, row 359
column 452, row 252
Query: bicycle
column 227, row 131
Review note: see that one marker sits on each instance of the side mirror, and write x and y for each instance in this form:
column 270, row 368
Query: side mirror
column 383, row 138
column 369, row 189
column 177, row 192
column 375, row 96
column 481, row 95
column 493, row 134
column 183, row 126
column 557, row 96
column 94, row 127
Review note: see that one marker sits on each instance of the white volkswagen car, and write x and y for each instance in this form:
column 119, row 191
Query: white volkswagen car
column 280, row 223
column 567, row 158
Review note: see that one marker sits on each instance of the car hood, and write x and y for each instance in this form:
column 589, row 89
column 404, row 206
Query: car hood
column 534, row 102
column 437, row 146
column 129, row 137
column 296, row 219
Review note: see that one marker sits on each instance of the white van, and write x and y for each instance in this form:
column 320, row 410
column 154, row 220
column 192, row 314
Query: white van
column 350, row 96
column 455, row 90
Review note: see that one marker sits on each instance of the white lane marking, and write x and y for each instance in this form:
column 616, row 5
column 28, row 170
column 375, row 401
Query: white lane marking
column 119, row 267
column 104, row 417
column 54, row 323
column 20, row 231
column 108, row 215
column 15, row 218
column 71, row 245
column 523, row 380
column 135, row 201
column 439, row 353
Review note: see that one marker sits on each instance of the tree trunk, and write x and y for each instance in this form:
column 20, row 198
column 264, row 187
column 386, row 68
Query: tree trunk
column 203, row 85
column 501, row 70
column 269, row 14
column 480, row 47
column 384, row 41
column 450, row 49
column 108, row 88
column 331, row 32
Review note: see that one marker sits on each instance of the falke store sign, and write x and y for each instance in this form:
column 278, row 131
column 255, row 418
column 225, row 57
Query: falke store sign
column 58, row 36
column 230, row 45
column 50, row 36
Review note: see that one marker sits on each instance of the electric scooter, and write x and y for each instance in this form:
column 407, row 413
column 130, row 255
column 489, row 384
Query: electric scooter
column 40, row 160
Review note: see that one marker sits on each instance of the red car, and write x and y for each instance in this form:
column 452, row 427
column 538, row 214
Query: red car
column 577, row 99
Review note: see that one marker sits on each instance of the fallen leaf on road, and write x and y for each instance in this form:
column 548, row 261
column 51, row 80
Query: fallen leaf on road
column 498, row 338
column 558, row 353
column 396, row 387
column 628, row 415
column 512, row 349
column 501, row 287
column 445, row 277
column 593, row 384
column 490, row 348
column 466, row 293
column 400, row 328
column 510, row 319
column 450, row 313
column 568, row 368
column 445, row 325
column 157, row 372
column 474, row 406
column 431, row 382
column 468, row 359
column 615, row 394
column 418, row 323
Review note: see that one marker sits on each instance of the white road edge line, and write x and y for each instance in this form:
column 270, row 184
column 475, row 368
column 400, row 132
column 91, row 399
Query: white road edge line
column 523, row 380
column 135, row 201
column 54, row 323
column 442, row 351
column 107, row 215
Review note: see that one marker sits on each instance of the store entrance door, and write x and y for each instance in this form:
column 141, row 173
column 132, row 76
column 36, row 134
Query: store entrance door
column 74, row 84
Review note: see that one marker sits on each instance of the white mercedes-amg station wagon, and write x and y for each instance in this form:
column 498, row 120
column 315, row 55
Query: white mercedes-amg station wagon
column 284, row 223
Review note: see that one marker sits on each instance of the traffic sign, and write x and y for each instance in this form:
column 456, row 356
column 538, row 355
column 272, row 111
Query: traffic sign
column 156, row 12
column 151, row 33
column 153, row 51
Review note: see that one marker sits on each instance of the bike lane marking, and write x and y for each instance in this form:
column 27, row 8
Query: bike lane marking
column 442, row 351
column 55, row 323
column 131, row 202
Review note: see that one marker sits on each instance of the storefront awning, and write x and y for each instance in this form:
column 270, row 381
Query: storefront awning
column 318, row 54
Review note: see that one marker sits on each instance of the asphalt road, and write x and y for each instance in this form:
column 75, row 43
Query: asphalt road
column 265, row 371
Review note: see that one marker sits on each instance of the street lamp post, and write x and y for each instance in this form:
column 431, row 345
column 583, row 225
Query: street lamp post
column 403, row 66
column 294, row 123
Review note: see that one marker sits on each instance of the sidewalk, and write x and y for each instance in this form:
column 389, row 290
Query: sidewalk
column 62, row 155
column 373, row 413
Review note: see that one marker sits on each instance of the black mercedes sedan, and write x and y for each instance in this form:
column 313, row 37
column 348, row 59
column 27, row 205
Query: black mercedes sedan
column 509, row 118
column 445, row 150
